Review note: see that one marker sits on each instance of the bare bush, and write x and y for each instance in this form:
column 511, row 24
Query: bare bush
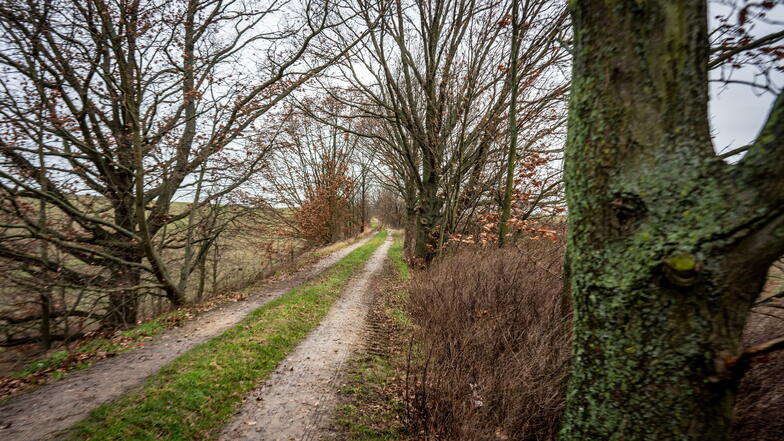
column 495, row 342
column 757, row 412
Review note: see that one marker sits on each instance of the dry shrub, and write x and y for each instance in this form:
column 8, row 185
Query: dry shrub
column 760, row 400
column 494, row 344
column 325, row 213
column 493, row 341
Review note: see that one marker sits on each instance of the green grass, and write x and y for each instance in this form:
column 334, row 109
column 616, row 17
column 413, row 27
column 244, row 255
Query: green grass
column 329, row 249
column 153, row 327
column 193, row 397
column 59, row 363
column 373, row 411
column 396, row 255
column 43, row 364
column 365, row 422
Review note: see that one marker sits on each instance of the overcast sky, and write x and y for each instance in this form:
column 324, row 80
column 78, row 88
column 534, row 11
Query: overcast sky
column 737, row 112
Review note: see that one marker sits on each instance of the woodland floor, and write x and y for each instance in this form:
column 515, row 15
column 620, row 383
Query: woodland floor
column 48, row 411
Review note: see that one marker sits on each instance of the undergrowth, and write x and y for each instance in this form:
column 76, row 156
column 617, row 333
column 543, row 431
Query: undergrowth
column 491, row 344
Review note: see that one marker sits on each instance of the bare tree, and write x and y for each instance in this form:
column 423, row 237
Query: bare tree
column 736, row 44
column 434, row 74
column 319, row 174
column 126, row 101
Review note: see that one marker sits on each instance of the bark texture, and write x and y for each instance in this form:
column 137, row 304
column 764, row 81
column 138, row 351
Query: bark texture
column 669, row 245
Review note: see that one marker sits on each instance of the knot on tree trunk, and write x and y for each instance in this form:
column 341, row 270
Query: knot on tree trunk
column 682, row 270
column 629, row 210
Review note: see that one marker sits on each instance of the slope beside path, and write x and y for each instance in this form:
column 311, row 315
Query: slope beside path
column 41, row 414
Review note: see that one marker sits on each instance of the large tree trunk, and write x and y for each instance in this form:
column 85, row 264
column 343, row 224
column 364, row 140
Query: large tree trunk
column 668, row 245
column 410, row 232
column 124, row 301
column 429, row 212
column 123, row 297
column 409, row 240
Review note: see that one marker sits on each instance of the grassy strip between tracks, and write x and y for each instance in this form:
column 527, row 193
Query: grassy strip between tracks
column 195, row 395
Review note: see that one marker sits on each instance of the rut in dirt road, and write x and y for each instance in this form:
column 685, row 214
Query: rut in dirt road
column 292, row 403
column 47, row 411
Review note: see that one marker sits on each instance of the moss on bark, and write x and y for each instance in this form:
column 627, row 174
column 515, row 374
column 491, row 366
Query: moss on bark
column 659, row 229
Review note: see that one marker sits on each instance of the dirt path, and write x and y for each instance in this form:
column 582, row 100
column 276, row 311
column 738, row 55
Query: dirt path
column 43, row 413
column 291, row 403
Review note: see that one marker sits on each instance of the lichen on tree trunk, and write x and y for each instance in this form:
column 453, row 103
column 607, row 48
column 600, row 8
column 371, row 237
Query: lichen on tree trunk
column 668, row 245
column 428, row 218
column 429, row 212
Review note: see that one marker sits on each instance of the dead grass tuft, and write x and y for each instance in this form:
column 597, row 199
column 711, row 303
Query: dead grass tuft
column 757, row 413
column 495, row 343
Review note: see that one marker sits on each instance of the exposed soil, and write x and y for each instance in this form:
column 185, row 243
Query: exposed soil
column 43, row 413
column 293, row 401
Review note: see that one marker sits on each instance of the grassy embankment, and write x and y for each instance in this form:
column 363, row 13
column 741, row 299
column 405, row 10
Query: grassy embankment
column 64, row 361
column 58, row 364
column 195, row 395
column 372, row 408
column 231, row 274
